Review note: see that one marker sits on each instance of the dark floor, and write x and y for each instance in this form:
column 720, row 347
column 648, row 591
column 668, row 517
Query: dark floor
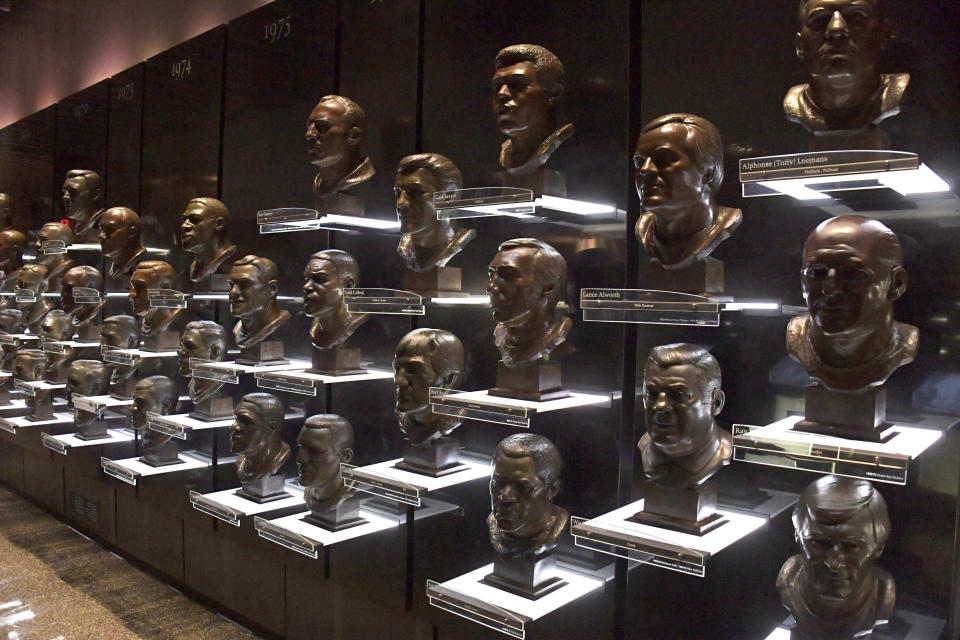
column 56, row 584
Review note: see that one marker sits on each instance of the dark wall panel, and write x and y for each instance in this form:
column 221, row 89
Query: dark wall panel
column 124, row 139
column 81, row 134
column 26, row 168
column 280, row 61
column 181, row 131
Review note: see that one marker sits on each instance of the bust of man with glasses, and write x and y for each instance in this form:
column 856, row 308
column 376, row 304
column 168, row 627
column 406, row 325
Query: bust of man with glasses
column 683, row 445
column 852, row 274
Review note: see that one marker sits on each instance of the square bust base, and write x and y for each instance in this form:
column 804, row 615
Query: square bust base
column 703, row 277
column 530, row 578
column 439, row 281
column 161, row 341
column 344, row 516
column 266, row 489
column 164, row 455
column 438, row 458
column 339, row 361
column 213, row 409
column 856, row 416
column 690, row 511
column 269, row 352
column 535, row 381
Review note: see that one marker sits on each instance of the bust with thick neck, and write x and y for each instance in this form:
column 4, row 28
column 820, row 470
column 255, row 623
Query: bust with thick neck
column 427, row 242
column 840, row 43
column 154, row 394
column 527, row 279
column 31, row 285
column 120, row 332
column 204, row 233
column 526, row 477
column 326, row 275
column 425, row 358
column 57, row 326
column 852, row 274
column 683, row 445
column 83, row 313
column 679, row 168
column 203, row 340
column 82, row 196
column 12, row 245
column 56, row 263
column 256, row 436
column 253, row 299
column 527, row 84
column 833, row 588
column 120, row 240
column 152, row 274
column 325, row 441
column 335, row 131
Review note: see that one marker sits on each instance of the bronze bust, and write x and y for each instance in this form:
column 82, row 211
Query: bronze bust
column 120, row 241
column 325, row 441
column 57, row 325
column 86, row 378
column 256, row 436
column 83, row 202
column 56, row 263
column 425, row 358
column 154, row 394
column 6, row 211
column 11, row 322
column 335, row 132
column 12, row 245
column 683, row 446
column 203, row 232
column 852, row 274
column 152, row 274
column 840, row 42
column 679, row 169
column 253, row 299
column 832, row 587
column 32, row 282
column 82, row 313
column 524, row 525
column 427, row 242
column 205, row 340
column 525, row 480
column 527, row 279
column 326, row 275
column 528, row 82
column 29, row 365
column 120, row 332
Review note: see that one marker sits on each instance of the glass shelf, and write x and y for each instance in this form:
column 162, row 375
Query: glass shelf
column 63, row 444
column 130, row 470
column 231, row 508
column 480, row 405
column 386, row 481
column 815, row 175
column 10, row 425
column 304, row 538
column 649, row 306
column 308, row 384
column 613, row 534
column 295, row 220
column 469, row 597
column 779, row 445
